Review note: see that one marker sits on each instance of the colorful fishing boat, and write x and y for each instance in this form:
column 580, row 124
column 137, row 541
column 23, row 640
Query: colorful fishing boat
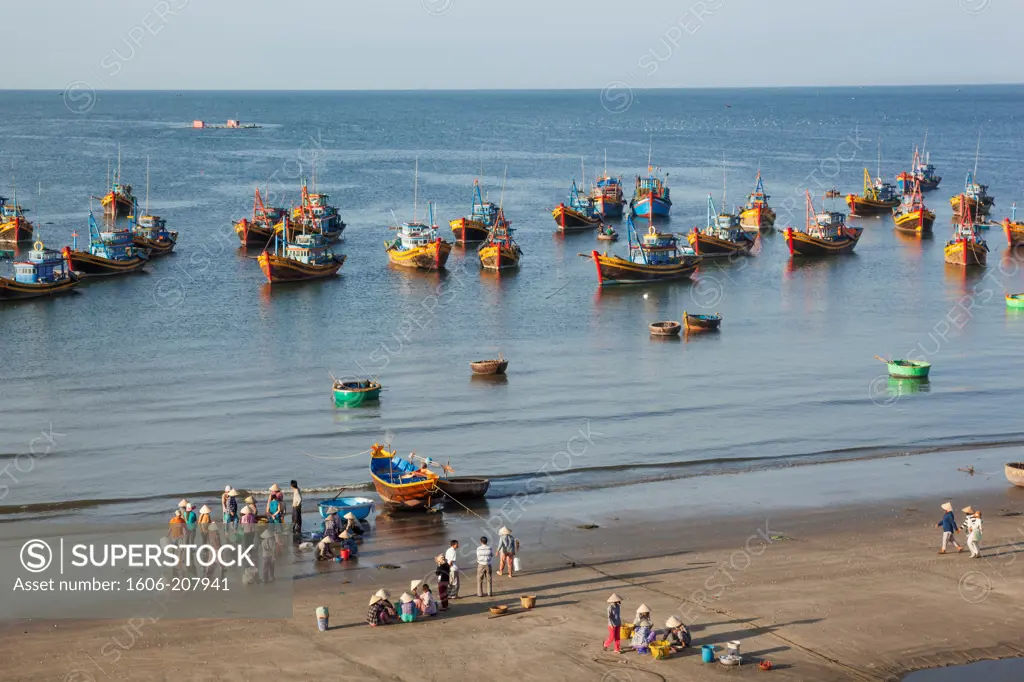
column 14, row 226
column 1014, row 230
column 922, row 172
column 975, row 197
column 607, row 233
column 45, row 273
column 119, row 201
column 651, row 197
column 912, row 215
column 477, row 225
column 417, row 245
column 1015, row 301
column 314, row 215
column 399, row 482
column 359, row 507
column 307, row 257
column 722, row 237
column 150, row 231
column 112, row 251
column 879, row 197
column 258, row 231
column 579, row 215
column 966, row 248
column 607, row 196
column 356, row 392
column 825, row 234
column 701, row 323
column 500, row 251
column 654, row 257
column 757, row 214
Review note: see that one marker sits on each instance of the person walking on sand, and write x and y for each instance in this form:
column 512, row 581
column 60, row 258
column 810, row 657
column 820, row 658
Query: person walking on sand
column 484, row 555
column 948, row 526
column 507, row 548
column 451, row 555
column 614, row 623
column 443, row 573
column 972, row 528
column 296, row 509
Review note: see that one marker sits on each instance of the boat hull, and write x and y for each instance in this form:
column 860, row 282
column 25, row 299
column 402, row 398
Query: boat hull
column 360, row 507
column 252, row 235
column 651, row 207
column 609, row 208
column 278, row 269
column 915, row 221
column 17, row 231
column 914, row 371
column 803, row 244
column 612, row 270
column 1014, row 233
column 346, row 398
column 863, row 207
column 1015, row 301
column 97, row 266
column 468, row 231
column 432, row 256
column 927, row 184
column 464, row 487
column 761, row 218
column 115, row 206
column 709, row 246
column 419, row 495
column 498, row 258
column 157, row 247
column 978, row 208
column 701, row 323
column 966, row 254
column 11, row 290
column 570, row 220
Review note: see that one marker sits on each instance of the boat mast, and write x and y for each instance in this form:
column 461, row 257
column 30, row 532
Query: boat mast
column 924, row 147
column 878, row 168
column 725, row 205
column 415, row 188
column 977, row 152
column 118, row 178
column 583, row 176
column 147, row 184
column 501, row 201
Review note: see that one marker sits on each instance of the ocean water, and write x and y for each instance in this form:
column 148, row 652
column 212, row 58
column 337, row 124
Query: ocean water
column 197, row 374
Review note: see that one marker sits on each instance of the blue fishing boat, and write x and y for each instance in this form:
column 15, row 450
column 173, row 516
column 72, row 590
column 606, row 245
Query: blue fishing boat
column 975, row 199
column 653, row 257
column 477, row 225
column 45, row 273
column 360, row 507
column 314, row 214
column 922, row 171
column 399, row 482
column 579, row 214
column 150, row 231
column 722, row 237
column 112, row 251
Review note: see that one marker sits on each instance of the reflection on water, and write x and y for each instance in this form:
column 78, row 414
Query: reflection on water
column 486, row 380
column 1005, row 670
column 902, row 387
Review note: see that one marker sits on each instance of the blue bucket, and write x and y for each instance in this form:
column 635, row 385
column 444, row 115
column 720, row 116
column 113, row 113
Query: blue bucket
column 707, row 653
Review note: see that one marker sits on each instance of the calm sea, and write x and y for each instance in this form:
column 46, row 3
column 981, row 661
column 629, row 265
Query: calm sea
column 196, row 374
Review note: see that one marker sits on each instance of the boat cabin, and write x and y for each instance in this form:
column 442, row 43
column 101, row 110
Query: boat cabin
column 310, row 249
column 827, row 225
column 43, row 266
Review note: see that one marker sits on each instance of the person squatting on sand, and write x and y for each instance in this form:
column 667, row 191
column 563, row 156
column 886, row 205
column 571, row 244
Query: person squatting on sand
column 381, row 611
column 676, row 634
column 408, row 607
column 948, row 526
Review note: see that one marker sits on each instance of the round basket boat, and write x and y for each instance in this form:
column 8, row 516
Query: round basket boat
column 499, row 610
column 908, row 369
column 1015, row 301
column 489, row 367
column 1015, row 473
column 668, row 328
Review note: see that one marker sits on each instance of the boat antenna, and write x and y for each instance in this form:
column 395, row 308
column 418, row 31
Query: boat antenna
column 501, row 202
column 147, row 184
column 395, row 218
column 650, row 150
column 977, row 152
column 606, row 162
column 118, row 178
column 415, row 188
column 108, row 173
column 924, row 146
column 583, row 176
column 724, row 177
column 879, row 167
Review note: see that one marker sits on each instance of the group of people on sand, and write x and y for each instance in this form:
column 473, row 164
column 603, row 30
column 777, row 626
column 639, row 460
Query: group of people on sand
column 273, row 510
column 971, row 527
column 419, row 601
column 334, row 534
column 675, row 633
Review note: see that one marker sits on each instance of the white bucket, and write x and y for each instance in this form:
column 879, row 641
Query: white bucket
column 733, row 647
column 516, row 566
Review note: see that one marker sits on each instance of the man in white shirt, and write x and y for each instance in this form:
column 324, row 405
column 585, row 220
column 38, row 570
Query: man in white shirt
column 450, row 555
column 296, row 509
column 484, row 554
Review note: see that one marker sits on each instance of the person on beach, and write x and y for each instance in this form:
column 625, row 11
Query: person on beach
column 177, row 530
column 408, row 607
column 643, row 630
column 352, row 525
column 296, row 509
column 484, row 555
column 948, row 526
column 231, row 510
column 248, row 522
column 348, row 542
column 443, row 573
column 191, row 521
column 972, row 529
column 381, row 610
column 323, row 549
column 427, row 603
column 451, row 555
column 331, row 529
column 268, row 549
column 215, row 570
column 204, row 524
column 507, row 548
column 251, row 501
column 676, row 634
column 614, row 623
column 224, row 503
column 274, row 508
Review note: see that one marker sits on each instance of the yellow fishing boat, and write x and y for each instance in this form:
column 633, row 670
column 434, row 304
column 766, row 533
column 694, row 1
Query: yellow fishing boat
column 757, row 215
column 879, row 197
column 966, row 248
column 912, row 215
column 1014, row 230
column 14, row 227
column 417, row 245
column 500, row 251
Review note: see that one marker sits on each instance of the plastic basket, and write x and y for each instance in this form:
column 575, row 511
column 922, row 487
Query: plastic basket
column 626, row 631
column 660, row 650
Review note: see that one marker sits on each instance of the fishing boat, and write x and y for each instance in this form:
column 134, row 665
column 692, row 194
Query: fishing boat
column 921, row 172
column 1015, row 301
column 975, row 198
column 490, row 367
column 756, row 214
column 906, row 369
column 314, row 214
column 150, row 231
column 45, row 273
column 119, row 201
column 500, row 251
column 664, row 328
column 825, row 233
column 722, row 237
column 607, row 193
column 307, row 257
column 607, row 233
column 355, row 393
column 912, row 215
column 464, row 487
column 879, row 197
column 966, row 248
column 833, row 194
column 111, row 251
column 477, row 225
column 14, row 226
column 654, row 257
column 417, row 245
column 259, row 230
column 359, row 507
column 705, row 323
column 1014, row 230
column 399, row 482
column 651, row 196
column 579, row 215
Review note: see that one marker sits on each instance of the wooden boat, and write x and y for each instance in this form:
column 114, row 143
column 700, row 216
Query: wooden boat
column 150, row 231
column 489, row 367
column 607, row 196
column 314, row 215
column 258, row 231
column 579, row 215
column 701, row 322
column 359, row 507
column 651, row 196
column 1014, row 472
column 966, row 248
column 45, row 273
column 722, row 237
column 417, row 245
column 111, row 252
column 756, row 214
column 906, row 369
column 825, row 234
column 400, row 483
column 355, row 393
column 975, row 197
column 607, row 233
column 912, row 215
column 477, row 225
column 833, row 194
column 307, row 257
column 667, row 328
column 922, row 172
column 14, row 227
column 119, row 201
column 500, row 251
column 1015, row 301
column 879, row 197
column 1014, row 230
column 654, row 257
column 464, row 487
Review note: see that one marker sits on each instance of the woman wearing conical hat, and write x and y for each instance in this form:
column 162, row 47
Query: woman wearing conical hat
column 643, row 630
column 275, row 507
column 676, row 634
column 614, row 623
column 972, row 529
column 948, row 526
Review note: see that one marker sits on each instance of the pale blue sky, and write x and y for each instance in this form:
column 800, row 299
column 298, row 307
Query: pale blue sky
column 441, row 44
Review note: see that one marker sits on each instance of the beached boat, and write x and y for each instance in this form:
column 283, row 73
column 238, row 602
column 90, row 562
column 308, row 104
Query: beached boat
column 314, row 215
column 258, row 231
column 308, row 257
column 912, row 215
column 879, row 197
column 722, row 237
column 490, row 367
column 966, row 248
column 417, row 245
column 1014, row 472
column 654, row 257
column 359, row 507
column 579, row 214
column 14, row 226
column 399, row 482
column 500, row 251
column 666, row 328
column 705, row 323
column 45, row 273
column 825, row 234
column 756, row 213
column 150, row 231
column 975, row 197
column 1014, row 230
column 1015, row 301
column 111, row 251
column 907, row 369
column 607, row 233
column 921, row 172
column 477, row 225
column 464, row 487
column 355, row 393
